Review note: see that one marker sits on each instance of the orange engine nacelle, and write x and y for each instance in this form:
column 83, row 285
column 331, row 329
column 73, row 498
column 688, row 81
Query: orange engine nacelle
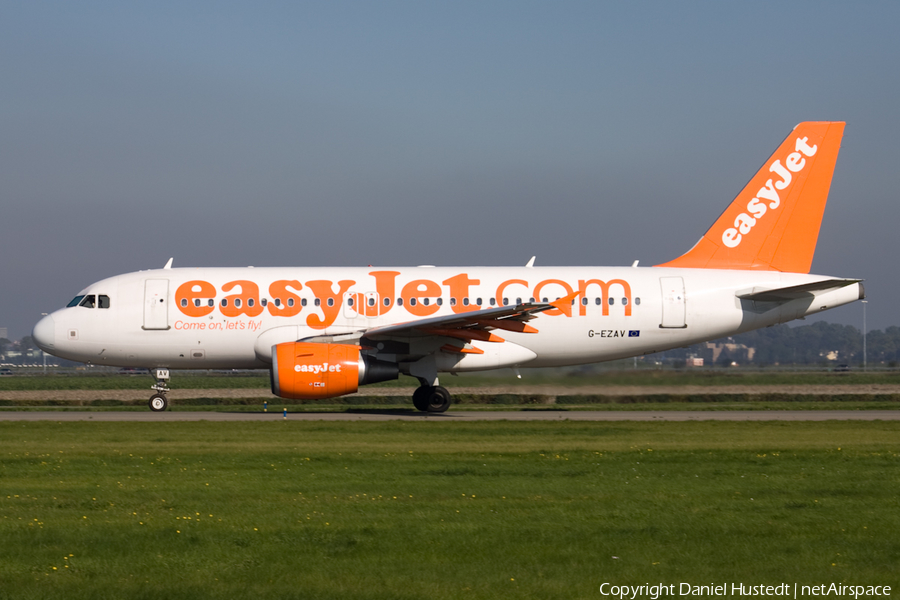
column 312, row 371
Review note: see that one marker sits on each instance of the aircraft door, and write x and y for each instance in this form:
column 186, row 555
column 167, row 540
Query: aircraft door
column 673, row 303
column 156, row 304
column 358, row 305
column 351, row 308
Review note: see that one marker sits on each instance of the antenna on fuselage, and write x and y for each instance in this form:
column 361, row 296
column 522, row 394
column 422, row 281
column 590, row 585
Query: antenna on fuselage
column 169, row 264
column 530, row 263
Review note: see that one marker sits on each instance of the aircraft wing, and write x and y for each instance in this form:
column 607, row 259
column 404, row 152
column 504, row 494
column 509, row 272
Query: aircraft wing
column 510, row 318
column 466, row 327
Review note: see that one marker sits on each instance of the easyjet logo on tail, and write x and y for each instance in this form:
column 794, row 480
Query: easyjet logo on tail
column 767, row 198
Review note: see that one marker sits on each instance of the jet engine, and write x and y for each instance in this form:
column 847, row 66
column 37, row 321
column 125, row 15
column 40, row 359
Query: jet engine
column 311, row 371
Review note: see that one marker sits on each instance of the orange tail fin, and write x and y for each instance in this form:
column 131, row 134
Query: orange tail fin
column 773, row 224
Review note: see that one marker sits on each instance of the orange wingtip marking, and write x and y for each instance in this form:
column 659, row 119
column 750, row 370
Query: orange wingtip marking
column 508, row 325
column 458, row 350
column 465, row 334
column 773, row 224
column 565, row 304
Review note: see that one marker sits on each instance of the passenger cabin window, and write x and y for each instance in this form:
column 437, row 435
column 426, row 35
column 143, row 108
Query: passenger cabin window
column 184, row 302
column 224, row 301
column 349, row 301
column 637, row 301
column 612, row 300
column 465, row 301
column 452, row 301
column 387, row 301
column 370, row 301
column 104, row 301
column 75, row 301
column 518, row 301
column 399, row 301
column 584, row 301
column 278, row 301
column 264, row 301
column 89, row 301
column 302, row 302
column 506, row 302
column 290, row 302
column 624, row 301
column 440, row 301
column 317, row 302
column 598, row 301
column 331, row 302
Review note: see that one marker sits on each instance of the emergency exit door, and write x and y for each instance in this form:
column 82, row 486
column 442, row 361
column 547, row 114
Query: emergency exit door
column 673, row 303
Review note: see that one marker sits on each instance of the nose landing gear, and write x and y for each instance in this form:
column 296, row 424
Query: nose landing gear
column 158, row 401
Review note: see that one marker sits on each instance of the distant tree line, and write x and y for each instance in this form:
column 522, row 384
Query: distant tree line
column 812, row 344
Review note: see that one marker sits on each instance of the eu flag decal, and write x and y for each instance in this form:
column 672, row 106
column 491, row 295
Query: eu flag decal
column 634, row 333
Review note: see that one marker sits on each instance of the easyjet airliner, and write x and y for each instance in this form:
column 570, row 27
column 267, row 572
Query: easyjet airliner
column 323, row 332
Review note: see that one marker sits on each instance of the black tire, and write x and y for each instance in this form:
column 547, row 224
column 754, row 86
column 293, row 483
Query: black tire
column 439, row 399
column 158, row 403
column 420, row 397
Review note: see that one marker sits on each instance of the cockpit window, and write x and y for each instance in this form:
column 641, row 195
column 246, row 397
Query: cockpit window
column 75, row 301
column 89, row 301
column 104, row 301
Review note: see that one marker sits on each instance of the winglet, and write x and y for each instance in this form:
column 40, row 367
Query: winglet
column 565, row 304
column 773, row 224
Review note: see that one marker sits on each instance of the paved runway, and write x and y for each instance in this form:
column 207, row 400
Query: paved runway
column 461, row 416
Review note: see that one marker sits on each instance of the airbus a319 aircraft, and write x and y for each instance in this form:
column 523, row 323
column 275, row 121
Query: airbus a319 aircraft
column 323, row 332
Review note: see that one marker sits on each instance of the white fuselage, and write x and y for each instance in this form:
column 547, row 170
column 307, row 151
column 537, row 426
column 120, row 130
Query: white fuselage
column 159, row 318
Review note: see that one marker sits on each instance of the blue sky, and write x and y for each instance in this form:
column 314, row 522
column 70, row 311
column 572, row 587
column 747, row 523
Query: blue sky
column 399, row 133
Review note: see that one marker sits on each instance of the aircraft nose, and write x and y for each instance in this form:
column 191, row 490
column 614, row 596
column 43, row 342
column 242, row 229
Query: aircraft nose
column 44, row 333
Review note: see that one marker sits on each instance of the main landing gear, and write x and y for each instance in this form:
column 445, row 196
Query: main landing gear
column 158, row 401
column 431, row 398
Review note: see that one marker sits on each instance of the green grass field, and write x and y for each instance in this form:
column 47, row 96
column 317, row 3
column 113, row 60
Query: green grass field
column 441, row 510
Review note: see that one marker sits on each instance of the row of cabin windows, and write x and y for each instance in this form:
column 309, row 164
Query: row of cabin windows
column 90, row 301
column 251, row 302
column 370, row 301
column 493, row 301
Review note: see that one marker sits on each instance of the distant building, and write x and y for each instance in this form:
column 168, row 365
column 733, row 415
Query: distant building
column 733, row 351
column 693, row 361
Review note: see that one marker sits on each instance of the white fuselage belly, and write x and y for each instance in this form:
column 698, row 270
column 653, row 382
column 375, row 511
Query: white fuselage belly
column 649, row 311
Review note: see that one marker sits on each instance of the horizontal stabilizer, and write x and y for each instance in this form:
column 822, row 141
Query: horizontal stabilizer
column 786, row 294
